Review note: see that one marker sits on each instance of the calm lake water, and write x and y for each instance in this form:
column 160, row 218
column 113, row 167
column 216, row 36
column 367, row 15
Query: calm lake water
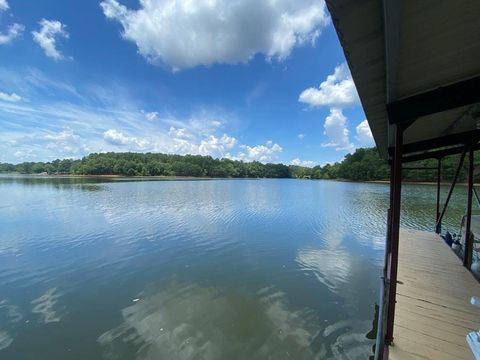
column 219, row 269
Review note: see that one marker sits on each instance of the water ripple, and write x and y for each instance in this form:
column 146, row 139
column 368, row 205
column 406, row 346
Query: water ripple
column 280, row 268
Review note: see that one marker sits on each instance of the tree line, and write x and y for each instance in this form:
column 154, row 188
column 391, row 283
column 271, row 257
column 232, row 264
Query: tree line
column 364, row 164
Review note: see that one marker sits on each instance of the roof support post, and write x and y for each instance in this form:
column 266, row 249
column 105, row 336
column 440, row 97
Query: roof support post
column 438, row 226
column 381, row 351
column 395, row 198
column 467, row 254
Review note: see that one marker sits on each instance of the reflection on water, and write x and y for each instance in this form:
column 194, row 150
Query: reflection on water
column 252, row 269
column 176, row 324
column 45, row 306
column 10, row 313
column 331, row 267
column 350, row 341
column 52, row 181
column 5, row 339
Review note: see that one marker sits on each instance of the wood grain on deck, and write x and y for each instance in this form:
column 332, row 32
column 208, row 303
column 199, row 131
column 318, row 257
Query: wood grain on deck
column 433, row 312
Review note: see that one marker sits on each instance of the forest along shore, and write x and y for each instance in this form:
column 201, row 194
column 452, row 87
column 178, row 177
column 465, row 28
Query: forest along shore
column 364, row 164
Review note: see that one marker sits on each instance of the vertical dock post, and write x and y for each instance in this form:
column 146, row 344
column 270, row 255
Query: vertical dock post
column 438, row 227
column 394, row 230
column 467, row 254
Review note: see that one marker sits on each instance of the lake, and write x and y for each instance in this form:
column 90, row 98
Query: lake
column 206, row 269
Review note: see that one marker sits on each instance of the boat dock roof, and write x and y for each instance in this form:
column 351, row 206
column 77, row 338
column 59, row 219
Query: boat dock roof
column 415, row 64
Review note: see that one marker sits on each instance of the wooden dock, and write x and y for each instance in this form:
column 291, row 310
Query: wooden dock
column 433, row 312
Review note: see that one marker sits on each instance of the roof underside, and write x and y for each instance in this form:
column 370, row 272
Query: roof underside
column 409, row 48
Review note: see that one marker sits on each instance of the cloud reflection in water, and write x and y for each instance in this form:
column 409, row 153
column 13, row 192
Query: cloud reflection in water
column 5, row 339
column 192, row 322
column 9, row 313
column 45, row 306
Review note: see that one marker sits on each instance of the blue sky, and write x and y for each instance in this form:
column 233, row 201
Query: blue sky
column 252, row 80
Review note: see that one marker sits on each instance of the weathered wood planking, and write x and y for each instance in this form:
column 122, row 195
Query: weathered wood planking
column 433, row 312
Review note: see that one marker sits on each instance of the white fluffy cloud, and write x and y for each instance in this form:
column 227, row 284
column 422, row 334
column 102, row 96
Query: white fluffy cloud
column 24, row 154
column 364, row 134
column 3, row 5
column 179, row 141
column 186, row 33
column 202, row 124
column 179, row 133
column 151, row 116
column 9, row 97
column 66, row 142
column 116, row 137
column 298, row 162
column 338, row 90
column 47, row 36
column 186, row 142
column 263, row 153
column 301, row 136
column 217, row 147
column 64, row 135
column 337, row 132
column 13, row 31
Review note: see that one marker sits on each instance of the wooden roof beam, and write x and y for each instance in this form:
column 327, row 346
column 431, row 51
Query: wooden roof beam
column 438, row 154
column 467, row 137
column 392, row 12
column 444, row 98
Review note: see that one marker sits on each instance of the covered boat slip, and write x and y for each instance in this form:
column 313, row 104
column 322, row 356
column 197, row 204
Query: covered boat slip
column 433, row 313
column 416, row 67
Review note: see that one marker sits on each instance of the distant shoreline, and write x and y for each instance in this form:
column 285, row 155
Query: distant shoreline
column 122, row 177
column 179, row 178
column 417, row 182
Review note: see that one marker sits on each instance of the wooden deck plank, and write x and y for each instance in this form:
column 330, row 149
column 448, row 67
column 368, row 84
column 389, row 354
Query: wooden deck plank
column 433, row 311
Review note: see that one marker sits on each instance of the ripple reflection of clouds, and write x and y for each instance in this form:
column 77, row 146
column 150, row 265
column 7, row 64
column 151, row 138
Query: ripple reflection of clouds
column 188, row 321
